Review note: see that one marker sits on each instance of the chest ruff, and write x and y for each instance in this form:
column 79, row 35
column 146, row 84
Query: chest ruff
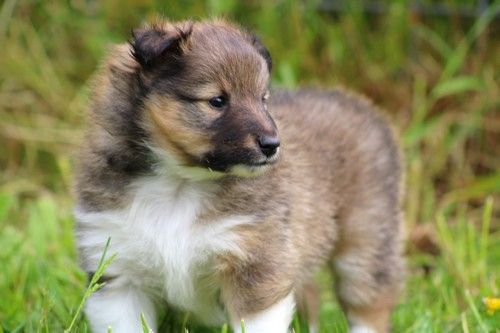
column 161, row 245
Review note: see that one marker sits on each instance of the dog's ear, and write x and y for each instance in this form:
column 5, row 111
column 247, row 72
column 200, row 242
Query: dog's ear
column 154, row 43
column 263, row 51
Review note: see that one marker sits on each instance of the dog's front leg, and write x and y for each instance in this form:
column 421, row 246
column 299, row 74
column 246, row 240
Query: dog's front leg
column 263, row 301
column 120, row 307
column 275, row 319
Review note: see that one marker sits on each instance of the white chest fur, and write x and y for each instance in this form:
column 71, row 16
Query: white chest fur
column 161, row 245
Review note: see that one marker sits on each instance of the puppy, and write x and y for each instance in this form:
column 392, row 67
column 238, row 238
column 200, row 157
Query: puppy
column 222, row 199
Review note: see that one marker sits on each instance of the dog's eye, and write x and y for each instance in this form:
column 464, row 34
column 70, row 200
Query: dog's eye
column 218, row 102
column 265, row 97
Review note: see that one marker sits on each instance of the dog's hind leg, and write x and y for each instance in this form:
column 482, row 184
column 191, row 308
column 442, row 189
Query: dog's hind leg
column 369, row 267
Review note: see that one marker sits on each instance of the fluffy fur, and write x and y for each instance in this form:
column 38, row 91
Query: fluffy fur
column 206, row 213
column 159, row 244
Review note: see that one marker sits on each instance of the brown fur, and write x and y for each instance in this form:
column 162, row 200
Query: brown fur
column 170, row 131
column 333, row 196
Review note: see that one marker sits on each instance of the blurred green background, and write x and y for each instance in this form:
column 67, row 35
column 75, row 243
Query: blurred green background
column 433, row 66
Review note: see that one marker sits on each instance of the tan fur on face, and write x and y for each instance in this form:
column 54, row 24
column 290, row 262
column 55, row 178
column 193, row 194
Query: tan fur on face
column 205, row 92
column 172, row 132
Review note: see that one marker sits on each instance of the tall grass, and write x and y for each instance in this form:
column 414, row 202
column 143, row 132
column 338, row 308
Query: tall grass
column 438, row 78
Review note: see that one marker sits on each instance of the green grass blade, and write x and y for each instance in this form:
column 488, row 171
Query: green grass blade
column 145, row 326
column 475, row 311
column 457, row 85
column 93, row 285
column 242, row 326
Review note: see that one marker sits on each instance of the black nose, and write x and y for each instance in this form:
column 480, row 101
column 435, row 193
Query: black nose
column 268, row 144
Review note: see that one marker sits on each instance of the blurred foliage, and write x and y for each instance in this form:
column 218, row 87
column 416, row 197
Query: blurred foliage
column 437, row 77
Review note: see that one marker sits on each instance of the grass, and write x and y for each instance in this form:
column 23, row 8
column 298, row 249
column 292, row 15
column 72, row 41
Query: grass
column 437, row 77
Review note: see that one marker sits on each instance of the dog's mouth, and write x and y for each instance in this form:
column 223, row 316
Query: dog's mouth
column 266, row 160
column 245, row 163
column 253, row 169
column 245, row 170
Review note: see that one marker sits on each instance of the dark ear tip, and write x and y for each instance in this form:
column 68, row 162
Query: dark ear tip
column 263, row 51
column 152, row 42
column 137, row 48
column 141, row 33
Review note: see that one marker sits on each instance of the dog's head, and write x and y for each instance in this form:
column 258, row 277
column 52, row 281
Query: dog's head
column 207, row 88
